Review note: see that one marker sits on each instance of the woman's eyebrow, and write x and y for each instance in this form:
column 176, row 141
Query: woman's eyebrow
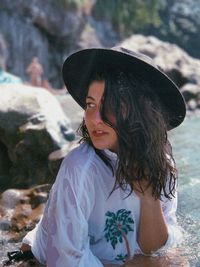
column 90, row 97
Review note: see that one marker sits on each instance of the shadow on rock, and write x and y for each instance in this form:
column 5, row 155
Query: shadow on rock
column 32, row 126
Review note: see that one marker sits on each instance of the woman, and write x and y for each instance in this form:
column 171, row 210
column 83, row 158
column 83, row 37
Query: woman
column 115, row 194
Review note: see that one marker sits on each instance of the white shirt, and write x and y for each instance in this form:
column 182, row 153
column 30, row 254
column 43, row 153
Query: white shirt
column 82, row 225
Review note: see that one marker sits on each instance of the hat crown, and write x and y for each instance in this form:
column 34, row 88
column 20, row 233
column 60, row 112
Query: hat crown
column 137, row 55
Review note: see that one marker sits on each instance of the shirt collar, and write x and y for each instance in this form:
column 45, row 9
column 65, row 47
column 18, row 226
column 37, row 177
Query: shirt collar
column 110, row 154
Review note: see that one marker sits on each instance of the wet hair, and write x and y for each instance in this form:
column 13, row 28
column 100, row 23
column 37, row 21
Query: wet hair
column 144, row 152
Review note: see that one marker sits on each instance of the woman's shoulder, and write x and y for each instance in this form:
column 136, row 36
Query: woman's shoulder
column 76, row 164
column 81, row 151
column 79, row 157
column 75, row 176
column 83, row 161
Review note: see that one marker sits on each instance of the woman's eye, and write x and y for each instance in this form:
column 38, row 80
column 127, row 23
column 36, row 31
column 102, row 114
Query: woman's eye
column 90, row 105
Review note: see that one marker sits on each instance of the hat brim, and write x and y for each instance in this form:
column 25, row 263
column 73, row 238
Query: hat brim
column 78, row 68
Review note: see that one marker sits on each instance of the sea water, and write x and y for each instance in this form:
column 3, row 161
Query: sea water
column 186, row 148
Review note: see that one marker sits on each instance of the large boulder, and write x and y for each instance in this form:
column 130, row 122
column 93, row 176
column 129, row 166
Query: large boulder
column 32, row 126
column 71, row 109
column 182, row 68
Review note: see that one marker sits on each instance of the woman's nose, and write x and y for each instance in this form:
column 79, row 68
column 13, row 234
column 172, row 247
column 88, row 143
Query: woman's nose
column 97, row 117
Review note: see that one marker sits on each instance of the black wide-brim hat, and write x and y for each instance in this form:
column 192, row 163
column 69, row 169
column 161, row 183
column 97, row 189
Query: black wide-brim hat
column 78, row 68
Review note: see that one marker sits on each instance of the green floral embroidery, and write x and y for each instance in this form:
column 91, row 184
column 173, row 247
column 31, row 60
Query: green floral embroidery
column 121, row 257
column 117, row 227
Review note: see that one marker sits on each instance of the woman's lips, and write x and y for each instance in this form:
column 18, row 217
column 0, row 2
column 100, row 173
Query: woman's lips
column 98, row 133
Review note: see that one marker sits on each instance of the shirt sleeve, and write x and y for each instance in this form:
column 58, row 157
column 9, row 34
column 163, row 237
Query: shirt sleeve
column 61, row 238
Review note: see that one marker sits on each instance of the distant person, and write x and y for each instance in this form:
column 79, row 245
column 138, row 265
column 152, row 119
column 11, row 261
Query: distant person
column 35, row 71
column 115, row 195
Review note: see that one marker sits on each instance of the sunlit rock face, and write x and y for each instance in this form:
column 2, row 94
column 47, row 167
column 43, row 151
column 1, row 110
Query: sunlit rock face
column 32, row 126
column 175, row 62
column 20, row 210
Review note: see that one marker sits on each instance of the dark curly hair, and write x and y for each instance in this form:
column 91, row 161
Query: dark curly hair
column 144, row 151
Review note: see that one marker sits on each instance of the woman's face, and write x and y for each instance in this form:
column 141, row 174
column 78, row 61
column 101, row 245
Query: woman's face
column 102, row 135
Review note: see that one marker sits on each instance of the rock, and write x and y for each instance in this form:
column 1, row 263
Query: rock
column 191, row 91
column 5, row 165
column 192, row 105
column 175, row 62
column 10, row 198
column 71, row 109
column 3, row 53
column 32, row 125
column 185, row 24
column 198, row 104
column 42, row 29
column 20, row 210
column 49, row 31
column 97, row 34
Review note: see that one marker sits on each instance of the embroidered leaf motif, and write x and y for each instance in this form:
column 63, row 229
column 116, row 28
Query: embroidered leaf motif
column 113, row 242
column 109, row 214
column 121, row 257
column 130, row 220
column 117, row 226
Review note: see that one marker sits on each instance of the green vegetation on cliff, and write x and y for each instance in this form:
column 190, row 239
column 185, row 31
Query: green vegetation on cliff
column 127, row 16
column 71, row 4
column 130, row 16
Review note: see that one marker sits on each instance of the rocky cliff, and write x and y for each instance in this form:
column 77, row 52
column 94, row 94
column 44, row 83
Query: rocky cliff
column 46, row 30
column 37, row 28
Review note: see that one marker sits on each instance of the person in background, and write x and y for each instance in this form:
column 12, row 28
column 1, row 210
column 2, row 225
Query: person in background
column 115, row 195
column 35, row 71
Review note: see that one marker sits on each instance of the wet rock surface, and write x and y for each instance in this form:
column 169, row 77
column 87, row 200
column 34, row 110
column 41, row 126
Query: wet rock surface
column 20, row 210
column 32, row 126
